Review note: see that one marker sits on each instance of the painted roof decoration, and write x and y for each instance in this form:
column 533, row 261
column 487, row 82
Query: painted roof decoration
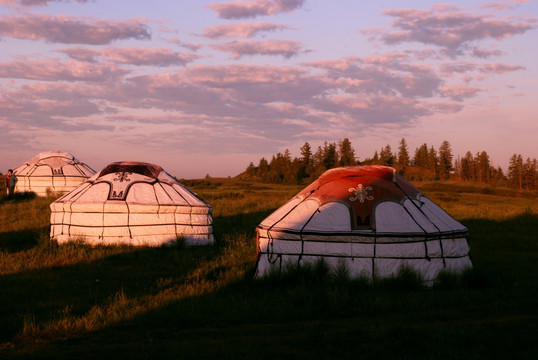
column 368, row 218
column 55, row 171
column 133, row 203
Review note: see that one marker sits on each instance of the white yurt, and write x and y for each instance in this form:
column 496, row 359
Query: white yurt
column 56, row 171
column 132, row 203
column 367, row 218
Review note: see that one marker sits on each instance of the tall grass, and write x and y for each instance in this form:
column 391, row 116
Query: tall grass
column 80, row 301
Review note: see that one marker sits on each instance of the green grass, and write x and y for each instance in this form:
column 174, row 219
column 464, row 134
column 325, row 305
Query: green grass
column 75, row 301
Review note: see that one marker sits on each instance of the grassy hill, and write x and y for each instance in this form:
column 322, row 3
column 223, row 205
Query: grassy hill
column 75, row 301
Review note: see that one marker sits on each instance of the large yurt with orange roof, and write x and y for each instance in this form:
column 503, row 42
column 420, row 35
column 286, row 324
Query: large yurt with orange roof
column 51, row 171
column 368, row 219
column 133, row 203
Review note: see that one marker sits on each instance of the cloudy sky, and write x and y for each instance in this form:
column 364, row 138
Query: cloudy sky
column 205, row 87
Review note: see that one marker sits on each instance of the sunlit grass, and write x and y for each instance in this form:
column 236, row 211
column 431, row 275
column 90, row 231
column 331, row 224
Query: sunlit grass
column 470, row 201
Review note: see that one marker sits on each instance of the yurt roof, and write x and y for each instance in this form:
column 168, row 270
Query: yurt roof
column 137, row 167
column 363, row 190
column 360, row 188
column 54, row 160
column 133, row 182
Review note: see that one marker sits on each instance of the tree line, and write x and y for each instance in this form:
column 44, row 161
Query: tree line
column 426, row 163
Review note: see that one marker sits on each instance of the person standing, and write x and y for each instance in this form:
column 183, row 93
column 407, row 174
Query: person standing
column 11, row 180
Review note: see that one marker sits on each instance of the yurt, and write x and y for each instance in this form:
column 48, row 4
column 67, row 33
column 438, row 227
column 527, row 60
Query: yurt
column 368, row 219
column 56, row 171
column 132, row 203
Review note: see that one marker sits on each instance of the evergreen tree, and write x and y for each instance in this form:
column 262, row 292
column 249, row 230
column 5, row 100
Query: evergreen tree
column 375, row 159
column 467, row 167
column 529, row 174
column 306, row 163
column 263, row 169
column 306, row 153
column 498, row 176
column 515, row 171
column 251, row 170
column 346, row 153
column 330, row 157
column 432, row 162
column 445, row 160
column 280, row 168
column 457, row 167
column 421, row 156
column 318, row 166
column 403, row 153
column 385, row 156
column 483, row 167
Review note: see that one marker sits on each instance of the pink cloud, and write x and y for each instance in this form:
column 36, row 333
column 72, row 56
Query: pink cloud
column 458, row 67
column 486, row 53
column 343, row 64
column 190, row 46
column 459, row 93
column 503, row 6
column 62, row 107
column 500, row 68
column 29, row 3
column 497, row 6
column 241, row 74
column 81, row 54
column 448, row 27
column 377, row 109
column 227, row 90
column 286, row 48
column 133, row 56
column 382, row 74
column 55, row 70
column 254, row 8
column 235, row 91
column 240, row 30
column 71, row 30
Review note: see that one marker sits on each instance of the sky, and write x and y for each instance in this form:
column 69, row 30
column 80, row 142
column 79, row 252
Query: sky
column 206, row 87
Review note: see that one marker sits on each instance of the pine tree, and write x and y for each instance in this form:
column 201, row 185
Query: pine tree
column 529, row 174
column 330, row 157
column 467, row 167
column 280, row 168
column 306, row 153
column 263, row 169
column 305, row 164
column 403, row 154
column 515, row 171
column 432, row 162
column 375, row 159
column 346, row 153
column 317, row 163
column 251, row 170
column 445, row 160
column 421, row 156
column 385, row 156
column 483, row 167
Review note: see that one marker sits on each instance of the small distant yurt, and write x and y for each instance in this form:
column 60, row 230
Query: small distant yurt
column 56, row 171
column 368, row 219
column 132, row 203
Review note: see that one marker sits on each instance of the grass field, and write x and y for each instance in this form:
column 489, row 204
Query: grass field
column 75, row 301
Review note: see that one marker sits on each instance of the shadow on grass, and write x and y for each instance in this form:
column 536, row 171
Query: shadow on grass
column 16, row 197
column 505, row 252
column 14, row 241
column 223, row 226
column 311, row 318
column 48, row 293
column 100, row 273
